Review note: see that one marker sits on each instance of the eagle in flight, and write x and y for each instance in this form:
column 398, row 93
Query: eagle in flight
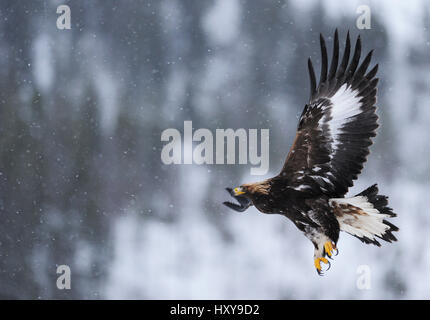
column 331, row 145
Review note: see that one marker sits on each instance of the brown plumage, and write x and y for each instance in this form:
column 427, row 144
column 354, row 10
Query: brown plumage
column 328, row 153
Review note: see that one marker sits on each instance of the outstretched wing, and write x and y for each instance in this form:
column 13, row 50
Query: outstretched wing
column 336, row 126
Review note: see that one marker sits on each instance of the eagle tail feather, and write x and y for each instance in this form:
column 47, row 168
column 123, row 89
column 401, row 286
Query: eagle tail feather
column 365, row 216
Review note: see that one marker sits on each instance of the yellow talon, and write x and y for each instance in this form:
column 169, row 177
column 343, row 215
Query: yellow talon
column 329, row 247
column 318, row 261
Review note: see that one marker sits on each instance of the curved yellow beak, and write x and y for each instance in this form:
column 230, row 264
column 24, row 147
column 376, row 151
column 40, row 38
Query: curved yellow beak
column 238, row 191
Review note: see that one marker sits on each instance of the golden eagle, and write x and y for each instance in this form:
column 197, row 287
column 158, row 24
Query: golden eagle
column 332, row 142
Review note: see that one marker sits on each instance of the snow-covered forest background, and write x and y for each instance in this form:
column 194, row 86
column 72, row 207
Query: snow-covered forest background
column 81, row 179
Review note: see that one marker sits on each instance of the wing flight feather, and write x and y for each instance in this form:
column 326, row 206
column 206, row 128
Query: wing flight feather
column 336, row 126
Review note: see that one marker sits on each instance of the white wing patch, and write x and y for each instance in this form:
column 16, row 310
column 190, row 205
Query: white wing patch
column 367, row 224
column 302, row 187
column 345, row 104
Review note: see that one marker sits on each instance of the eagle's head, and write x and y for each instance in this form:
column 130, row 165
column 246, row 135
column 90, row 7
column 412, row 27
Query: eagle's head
column 242, row 190
column 246, row 194
column 243, row 202
column 252, row 189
